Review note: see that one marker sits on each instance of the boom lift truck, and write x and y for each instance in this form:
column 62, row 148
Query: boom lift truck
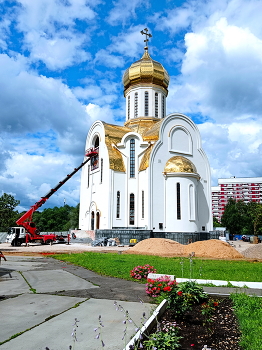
column 28, row 232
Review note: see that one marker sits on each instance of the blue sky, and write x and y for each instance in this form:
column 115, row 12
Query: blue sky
column 61, row 67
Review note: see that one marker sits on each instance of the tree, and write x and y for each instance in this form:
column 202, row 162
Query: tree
column 8, row 215
column 254, row 210
column 236, row 218
column 216, row 223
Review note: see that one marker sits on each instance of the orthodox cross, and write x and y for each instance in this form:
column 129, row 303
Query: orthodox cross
column 148, row 35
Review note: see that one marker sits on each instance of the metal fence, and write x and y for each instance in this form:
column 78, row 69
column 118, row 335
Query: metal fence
column 124, row 235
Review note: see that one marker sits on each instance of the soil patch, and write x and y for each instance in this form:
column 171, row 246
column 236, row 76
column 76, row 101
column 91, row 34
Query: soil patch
column 253, row 252
column 222, row 333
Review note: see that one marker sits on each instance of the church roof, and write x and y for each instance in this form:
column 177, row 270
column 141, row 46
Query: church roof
column 179, row 164
column 146, row 70
column 147, row 127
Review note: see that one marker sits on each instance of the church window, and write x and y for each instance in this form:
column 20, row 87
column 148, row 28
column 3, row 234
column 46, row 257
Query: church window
column 163, row 106
column 178, row 201
column 95, row 159
column 136, row 105
column 132, row 209
column 97, row 220
column 132, row 158
column 146, row 103
column 92, row 221
column 156, row 105
column 128, row 107
column 101, row 175
column 143, row 204
column 118, row 204
column 88, row 176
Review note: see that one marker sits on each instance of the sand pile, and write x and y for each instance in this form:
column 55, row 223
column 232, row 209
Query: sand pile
column 157, row 246
column 212, row 248
column 253, row 252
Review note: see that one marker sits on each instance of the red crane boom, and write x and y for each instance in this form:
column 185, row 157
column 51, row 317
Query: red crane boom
column 26, row 220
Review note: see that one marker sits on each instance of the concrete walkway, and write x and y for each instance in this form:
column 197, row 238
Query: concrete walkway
column 40, row 298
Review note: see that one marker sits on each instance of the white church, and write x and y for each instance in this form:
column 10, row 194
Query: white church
column 151, row 173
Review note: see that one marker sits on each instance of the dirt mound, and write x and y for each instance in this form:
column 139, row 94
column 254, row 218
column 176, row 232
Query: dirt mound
column 157, row 246
column 213, row 248
column 253, row 252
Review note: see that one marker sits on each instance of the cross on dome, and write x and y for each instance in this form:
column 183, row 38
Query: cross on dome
column 148, row 35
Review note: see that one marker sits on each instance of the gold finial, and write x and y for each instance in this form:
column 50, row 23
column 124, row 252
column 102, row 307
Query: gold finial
column 148, row 35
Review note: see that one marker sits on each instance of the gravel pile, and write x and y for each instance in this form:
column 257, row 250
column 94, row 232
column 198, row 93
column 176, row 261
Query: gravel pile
column 253, row 252
column 213, row 248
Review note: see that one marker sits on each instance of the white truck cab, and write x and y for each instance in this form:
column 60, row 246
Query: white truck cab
column 16, row 236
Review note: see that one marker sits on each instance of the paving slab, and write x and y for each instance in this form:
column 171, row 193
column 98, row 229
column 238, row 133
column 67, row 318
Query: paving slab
column 12, row 283
column 55, row 281
column 22, row 263
column 27, row 310
column 56, row 333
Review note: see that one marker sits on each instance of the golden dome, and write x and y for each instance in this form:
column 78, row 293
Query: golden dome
column 146, row 71
column 179, row 164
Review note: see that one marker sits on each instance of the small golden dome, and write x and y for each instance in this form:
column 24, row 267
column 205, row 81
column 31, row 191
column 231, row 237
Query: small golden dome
column 179, row 164
column 146, row 71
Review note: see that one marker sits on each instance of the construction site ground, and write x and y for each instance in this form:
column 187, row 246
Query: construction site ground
column 41, row 297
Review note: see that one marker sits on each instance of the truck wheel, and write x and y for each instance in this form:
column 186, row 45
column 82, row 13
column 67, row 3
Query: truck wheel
column 49, row 241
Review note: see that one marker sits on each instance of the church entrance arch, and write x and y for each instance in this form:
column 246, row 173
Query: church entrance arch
column 97, row 220
column 92, row 220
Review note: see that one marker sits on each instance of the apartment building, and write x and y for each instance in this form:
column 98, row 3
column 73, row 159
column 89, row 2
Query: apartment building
column 239, row 188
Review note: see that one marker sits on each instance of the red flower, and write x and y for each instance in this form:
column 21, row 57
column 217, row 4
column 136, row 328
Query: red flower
column 180, row 293
column 215, row 303
column 167, row 289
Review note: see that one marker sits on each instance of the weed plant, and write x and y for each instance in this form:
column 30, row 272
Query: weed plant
column 248, row 311
column 120, row 265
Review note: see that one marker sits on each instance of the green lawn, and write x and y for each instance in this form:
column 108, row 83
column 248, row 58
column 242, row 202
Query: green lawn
column 249, row 314
column 119, row 265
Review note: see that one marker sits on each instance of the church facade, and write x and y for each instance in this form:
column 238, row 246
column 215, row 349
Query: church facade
column 150, row 173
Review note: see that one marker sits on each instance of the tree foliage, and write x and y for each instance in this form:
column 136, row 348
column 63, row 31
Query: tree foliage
column 242, row 218
column 8, row 215
column 57, row 218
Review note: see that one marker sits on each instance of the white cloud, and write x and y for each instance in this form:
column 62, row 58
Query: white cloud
column 124, row 10
column 50, row 32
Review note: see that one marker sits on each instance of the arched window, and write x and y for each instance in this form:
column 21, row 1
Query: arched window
column 136, row 104
column 92, row 220
column 156, row 105
column 128, row 107
column 178, row 202
column 143, row 204
column 88, row 175
column 132, row 209
column 101, row 174
column 132, row 158
column 118, row 204
column 163, row 106
column 95, row 159
column 97, row 220
column 146, row 103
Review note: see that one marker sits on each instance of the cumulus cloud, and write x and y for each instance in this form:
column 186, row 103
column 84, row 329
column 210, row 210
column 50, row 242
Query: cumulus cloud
column 125, row 10
column 50, row 30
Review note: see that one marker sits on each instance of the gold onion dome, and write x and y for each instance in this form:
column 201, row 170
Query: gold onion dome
column 146, row 71
column 179, row 164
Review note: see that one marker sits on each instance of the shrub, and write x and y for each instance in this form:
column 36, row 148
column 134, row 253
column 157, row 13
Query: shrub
column 140, row 272
column 184, row 296
column 163, row 340
column 160, row 285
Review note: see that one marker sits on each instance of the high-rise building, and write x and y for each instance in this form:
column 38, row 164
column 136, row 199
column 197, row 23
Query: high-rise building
column 239, row 188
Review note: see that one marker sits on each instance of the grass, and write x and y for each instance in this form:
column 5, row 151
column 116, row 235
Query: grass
column 119, row 265
column 249, row 314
